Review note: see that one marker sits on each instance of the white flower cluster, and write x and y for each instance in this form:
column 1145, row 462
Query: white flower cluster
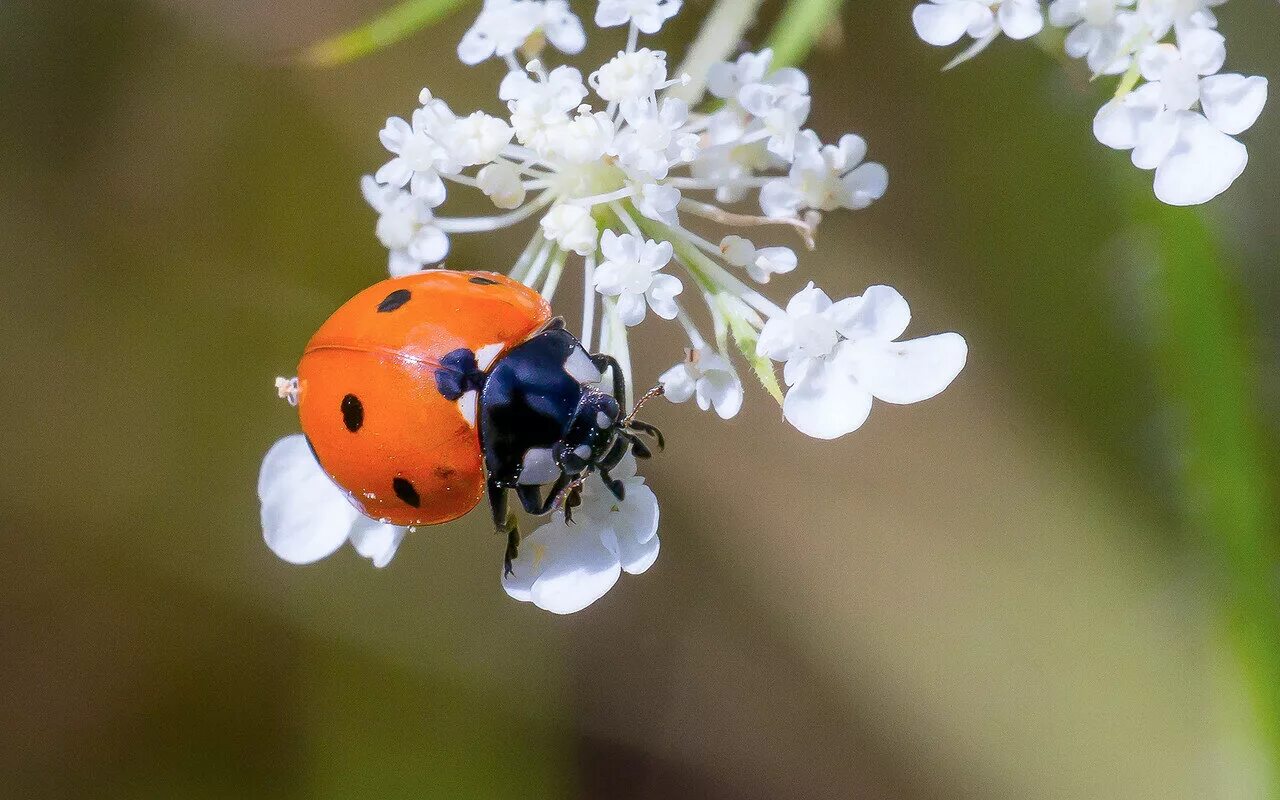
column 630, row 182
column 1173, row 107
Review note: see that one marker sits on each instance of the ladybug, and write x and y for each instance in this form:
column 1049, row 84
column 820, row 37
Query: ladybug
column 421, row 392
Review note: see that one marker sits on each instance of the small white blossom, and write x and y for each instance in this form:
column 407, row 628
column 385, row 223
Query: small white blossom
column 825, row 177
column 781, row 103
column 760, row 264
column 653, row 141
column 476, row 139
column 1193, row 154
column 505, row 25
column 406, row 227
column 306, row 517
column 658, row 202
column 726, row 79
column 501, row 183
column 707, row 376
column 945, row 22
column 647, row 15
column 1179, row 122
column 572, row 227
column 419, row 158
column 588, row 136
column 1103, row 32
column 629, row 77
column 840, row 355
column 563, row 567
column 632, row 273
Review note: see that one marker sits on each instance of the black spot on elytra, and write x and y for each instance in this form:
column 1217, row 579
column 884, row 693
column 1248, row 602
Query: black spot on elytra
column 483, row 281
column 406, row 492
column 352, row 412
column 394, row 300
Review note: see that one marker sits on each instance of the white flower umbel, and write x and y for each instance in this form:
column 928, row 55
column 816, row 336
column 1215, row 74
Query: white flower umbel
column 609, row 175
column 564, row 567
column 1180, row 121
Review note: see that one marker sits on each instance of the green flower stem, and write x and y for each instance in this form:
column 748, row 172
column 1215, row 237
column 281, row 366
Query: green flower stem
column 385, row 29
column 800, row 25
column 1209, row 372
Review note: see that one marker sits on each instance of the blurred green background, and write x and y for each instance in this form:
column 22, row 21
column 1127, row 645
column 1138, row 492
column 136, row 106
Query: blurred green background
column 1053, row 581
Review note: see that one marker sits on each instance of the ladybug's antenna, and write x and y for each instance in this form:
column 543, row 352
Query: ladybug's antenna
column 655, row 392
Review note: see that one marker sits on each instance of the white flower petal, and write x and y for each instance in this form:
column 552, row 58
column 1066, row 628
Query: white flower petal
column 376, row 541
column 305, row 516
column 827, row 404
column 1233, row 102
column 1201, row 166
column 942, row 24
column 678, row 383
column 908, row 371
column 865, row 185
column 1020, row 19
column 662, row 293
column 574, row 568
column 1155, row 140
column 631, row 309
column 881, row 314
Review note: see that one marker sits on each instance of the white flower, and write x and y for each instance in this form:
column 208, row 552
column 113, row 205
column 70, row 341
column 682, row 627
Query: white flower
column 1103, row 32
column 631, row 272
column 306, row 517
column 944, row 22
column 658, row 202
column 825, row 177
column 647, row 15
column 840, row 355
column 709, row 377
column 726, row 79
column 572, row 227
column 540, row 108
column 1176, row 70
column 781, row 104
column 724, row 161
column 760, row 264
column 565, row 567
column 586, row 137
column 505, row 25
column 653, row 143
column 419, row 157
column 501, row 183
column 628, row 77
column 1193, row 155
column 476, row 139
column 406, row 227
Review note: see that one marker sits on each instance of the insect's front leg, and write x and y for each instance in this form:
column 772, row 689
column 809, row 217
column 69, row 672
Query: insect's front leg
column 504, row 521
column 611, row 460
column 532, row 500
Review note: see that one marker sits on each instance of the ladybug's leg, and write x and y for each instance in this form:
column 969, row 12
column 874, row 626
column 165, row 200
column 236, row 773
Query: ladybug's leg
column 504, row 521
column 638, row 447
column 602, row 361
column 533, row 501
column 648, row 430
column 611, row 460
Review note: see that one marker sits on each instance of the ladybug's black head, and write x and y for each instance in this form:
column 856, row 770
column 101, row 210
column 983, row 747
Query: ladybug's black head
column 591, row 434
